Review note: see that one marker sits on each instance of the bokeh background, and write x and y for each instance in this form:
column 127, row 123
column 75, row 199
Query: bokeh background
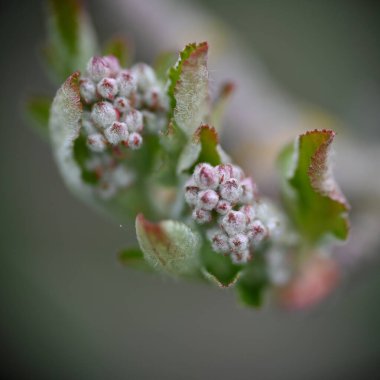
column 69, row 310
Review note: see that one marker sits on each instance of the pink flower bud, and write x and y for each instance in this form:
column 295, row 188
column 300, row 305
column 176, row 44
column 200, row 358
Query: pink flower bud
column 134, row 121
column 231, row 190
column 202, row 216
column 122, row 104
column 205, row 176
column 234, row 222
column 103, row 114
column 126, row 82
column 224, row 172
column 240, row 257
column 191, row 193
column 96, row 142
column 107, row 88
column 237, row 172
column 249, row 212
column 97, row 68
column 247, row 190
column 256, row 231
column 239, row 242
column 113, row 64
column 219, row 241
column 207, row 199
column 135, row 141
column 87, row 90
column 117, row 132
column 145, row 76
column 223, row 207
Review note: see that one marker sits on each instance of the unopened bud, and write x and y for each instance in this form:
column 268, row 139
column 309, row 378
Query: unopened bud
column 191, row 193
column 135, row 140
column 237, row 172
column 247, row 190
column 207, row 199
column 234, row 222
column 107, row 88
column 134, row 121
column 145, row 76
column 201, row 216
column 223, row 207
column 96, row 142
column 205, row 176
column 257, row 231
column 249, row 212
column 126, row 82
column 224, row 172
column 113, row 64
column 219, row 241
column 122, row 104
column 103, row 114
column 97, row 68
column 116, row 133
column 231, row 190
column 238, row 257
column 87, row 90
column 239, row 242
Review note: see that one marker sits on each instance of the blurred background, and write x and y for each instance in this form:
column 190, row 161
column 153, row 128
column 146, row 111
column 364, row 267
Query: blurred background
column 69, row 310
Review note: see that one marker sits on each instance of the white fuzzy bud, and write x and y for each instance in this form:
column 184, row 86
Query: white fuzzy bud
column 135, row 141
column 234, row 222
column 87, row 123
column 107, row 88
column 207, row 199
column 223, row 207
column 238, row 243
column 205, row 176
column 126, row 83
column 145, row 76
column 224, row 172
column 96, row 142
column 256, row 231
column 219, row 241
column 247, row 186
column 155, row 98
column 134, row 121
column 231, row 190
column 191, row 193
column 122, row 104
column 249, row 212
column 113, row 64
column 87, row 90
column 97, row 68
column 116, row 133
column 103, row 114
column 201, row 216
column 237, row 172
column 240, row 257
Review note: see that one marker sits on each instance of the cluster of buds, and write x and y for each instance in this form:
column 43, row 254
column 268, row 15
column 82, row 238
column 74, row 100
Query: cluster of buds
column 119, row 104
column 225, row 197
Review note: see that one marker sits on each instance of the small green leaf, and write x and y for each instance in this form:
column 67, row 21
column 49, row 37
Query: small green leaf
column 314, row 200
column 169, row 246
column 134, row 258
column 203, row 147
column 253, row 283
column 218, row 268
column 220, row 103
column 188, row 88
column 38, row 111
column 120, row 48
column 71, row 39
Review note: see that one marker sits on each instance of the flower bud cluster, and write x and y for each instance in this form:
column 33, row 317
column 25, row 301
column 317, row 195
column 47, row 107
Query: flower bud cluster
column 119, row 105
column 223, row 195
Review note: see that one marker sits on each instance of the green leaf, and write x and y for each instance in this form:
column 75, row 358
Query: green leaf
column 220, row 103
column 169, row 246
column 120, row 48
column 314, row 200
column 203, row 147
column 252, row 283
column 71, row 39
column 188, row 88
column 38, row 111
column 217, row 268
column 134, row 258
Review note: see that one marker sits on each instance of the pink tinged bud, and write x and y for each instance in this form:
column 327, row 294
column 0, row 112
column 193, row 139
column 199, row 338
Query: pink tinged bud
column 240, row 257
column 107, row 88
column 122, row 104
column 231, row 190
column 134, row 121
column 224, row 172
column 238, row 243
column 135, row 141
column 249, row 212
column 103, row 114
column 247, row 190
column 113, row 64
column 153, row 97
column 126, row 82
column 207, row 199
column 97, row 68
column 191, row 193
column 237, row 172
column 219, row 242
column 145, row 76
column 223, row 207
column 257, row 231
column 205, row 176
column 96, row 142
column 234, row 223
column 201, row 216
column 116, row 133
column 87, row 90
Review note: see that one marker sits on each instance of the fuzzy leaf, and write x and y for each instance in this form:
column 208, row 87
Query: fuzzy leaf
column 38, row 111
column 188, row 88
column 315, row 201
column 120, row 48
column 169, row 246
column 203, row 147
column 134, row 258
column 71, row 40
